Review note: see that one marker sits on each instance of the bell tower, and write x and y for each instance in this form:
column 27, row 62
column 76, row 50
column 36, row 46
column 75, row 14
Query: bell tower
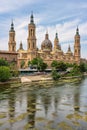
column 12, row 42
column 31, row 40
column 77, row 47
column 56, row 43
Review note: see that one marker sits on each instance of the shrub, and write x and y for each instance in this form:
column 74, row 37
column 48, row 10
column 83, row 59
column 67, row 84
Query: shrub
column 55, row 75
column 3, row 62
column 4, row 73
column 54, row 64
column 38, row 63
column 15, row 73
column 82, row 67
column 61, row 66
column 75, row 71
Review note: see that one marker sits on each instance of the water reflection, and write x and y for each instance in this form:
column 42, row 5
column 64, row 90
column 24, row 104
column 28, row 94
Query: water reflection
column 30, row 108
column 76, row 104
column 11, row 108
column 46, row 101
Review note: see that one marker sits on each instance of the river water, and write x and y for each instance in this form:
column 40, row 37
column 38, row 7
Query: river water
column 44, row 106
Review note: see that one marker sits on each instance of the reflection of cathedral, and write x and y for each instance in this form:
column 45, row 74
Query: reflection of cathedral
column 48, row 51
column 31, row 109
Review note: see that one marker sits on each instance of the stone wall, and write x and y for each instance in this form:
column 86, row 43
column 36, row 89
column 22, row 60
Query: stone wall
column 9, row 56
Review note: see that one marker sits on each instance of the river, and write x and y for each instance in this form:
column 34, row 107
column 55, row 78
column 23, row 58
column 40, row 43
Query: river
column 44, row 106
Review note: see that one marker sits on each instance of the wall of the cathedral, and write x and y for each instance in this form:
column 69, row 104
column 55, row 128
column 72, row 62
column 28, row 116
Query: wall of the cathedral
column 10, row 57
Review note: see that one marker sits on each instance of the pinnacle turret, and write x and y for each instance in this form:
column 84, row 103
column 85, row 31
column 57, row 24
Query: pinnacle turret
column 69, row 49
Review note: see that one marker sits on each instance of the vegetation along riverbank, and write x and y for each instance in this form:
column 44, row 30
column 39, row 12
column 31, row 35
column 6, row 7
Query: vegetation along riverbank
column 61, row 72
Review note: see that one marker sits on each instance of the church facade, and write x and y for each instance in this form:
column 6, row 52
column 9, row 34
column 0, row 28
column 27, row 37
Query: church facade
column 47, row 52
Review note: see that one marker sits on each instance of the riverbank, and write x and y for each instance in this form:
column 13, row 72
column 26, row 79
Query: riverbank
column 42, row 78
column 13, row 80
column 48, row 77
column 36, row 78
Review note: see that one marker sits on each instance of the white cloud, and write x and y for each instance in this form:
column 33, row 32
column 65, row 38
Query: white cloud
column 8, row 5
column 4, row 43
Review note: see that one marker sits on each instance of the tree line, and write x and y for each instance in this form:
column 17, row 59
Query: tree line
column 9, row 70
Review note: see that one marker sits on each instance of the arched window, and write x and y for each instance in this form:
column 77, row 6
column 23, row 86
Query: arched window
column 13, row 48
column 75, row 51
column 31, row 32
column 79, row 51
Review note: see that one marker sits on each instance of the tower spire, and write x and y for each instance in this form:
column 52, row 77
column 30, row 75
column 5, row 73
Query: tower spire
column 32, row 18
column 12, row 26
column 56, row 36
column 46, row 35
column 77, row 31
column 21, row 46
column 69, row 48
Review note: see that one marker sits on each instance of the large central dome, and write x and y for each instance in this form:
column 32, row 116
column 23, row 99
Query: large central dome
column 46, row 44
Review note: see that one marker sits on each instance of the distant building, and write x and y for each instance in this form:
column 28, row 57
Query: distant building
column 47, row 52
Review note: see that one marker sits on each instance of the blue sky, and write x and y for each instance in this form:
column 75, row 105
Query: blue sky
column 62, row 16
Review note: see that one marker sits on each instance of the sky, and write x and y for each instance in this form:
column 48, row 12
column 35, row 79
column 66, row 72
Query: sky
column 61, row 16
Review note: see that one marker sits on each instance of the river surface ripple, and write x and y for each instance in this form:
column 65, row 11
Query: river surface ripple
column 44, row 106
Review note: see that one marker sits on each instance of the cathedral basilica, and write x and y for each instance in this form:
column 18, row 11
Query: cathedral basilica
column 48, row 52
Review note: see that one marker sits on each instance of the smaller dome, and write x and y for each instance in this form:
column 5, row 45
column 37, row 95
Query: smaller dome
column 46, row 44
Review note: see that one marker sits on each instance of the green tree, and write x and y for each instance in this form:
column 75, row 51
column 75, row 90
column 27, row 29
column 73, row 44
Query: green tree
column 75, row 71
column 55, row 75
column 82, row 67
column 22, row 63
column 13, row 69
column 86, row 67
column 39, row 64
column 4, row 73
column 69, row 65
column 61, row 66
column 43, row 66
column 54, row 64
column 3, row 62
